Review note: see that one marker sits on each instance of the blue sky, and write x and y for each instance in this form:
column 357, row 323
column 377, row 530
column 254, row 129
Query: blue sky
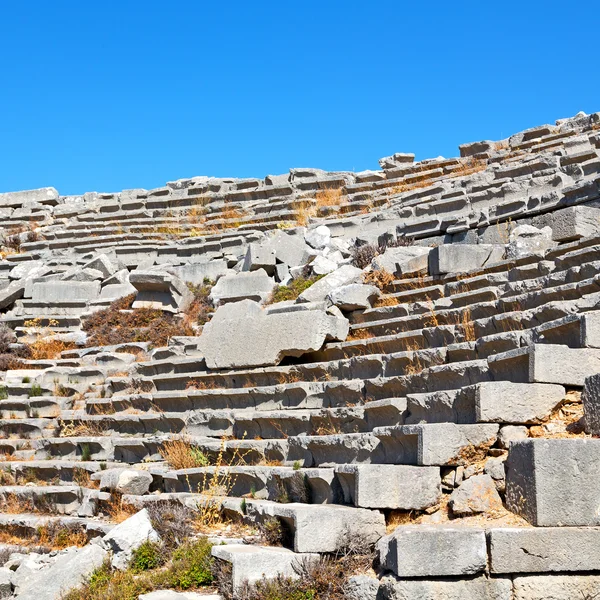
column 113, row 95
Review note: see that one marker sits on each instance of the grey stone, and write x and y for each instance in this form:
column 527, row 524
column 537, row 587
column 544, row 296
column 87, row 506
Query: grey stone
column 255, row 285
column 511, row 433
column 8, row 295
column 160, row 290
column 318, row 237
column 433, row 551
column 477, row 494
column 65, row 291
column 572, row 223
column 399, row 158
column 290, row 250
column 124, row 481
column 6, row 583
column 401, row 487
column 355, row 296
column 47, row 195
column 318, row 291
column 458, row 258
column 551, row 363
column 197, row 272
column 591, row 404
column 361, row 587
column 402, row 260
column 70, row 570
column 81, row 274
column 250, row 564
column 555, row 587
column 105, row 264
column 506, row 402
column 526, row 239
column 244, row 335
column 323, row 265
column 476, row 148
column 116, row 291
column 259, row 257
column 545, row 479
column 128, row 536
column 473, row 588
column 544, row 549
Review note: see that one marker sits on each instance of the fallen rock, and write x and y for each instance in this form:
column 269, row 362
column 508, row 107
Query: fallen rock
column 403, row 260
column 160, row 290
column 243, row 334
column 478, row 494
column 318, row 237
column 355, row 296
column 319, row 290
column 526, row 239
column 125, row 481
column 250, row 285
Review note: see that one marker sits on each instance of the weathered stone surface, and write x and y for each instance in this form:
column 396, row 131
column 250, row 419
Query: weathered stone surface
column 591, row 404
column 433, row 551
column 65, row 291
column 355, row 296
column 506, row 402
column 160, row 290
column 6, row 585
column 572, row 223
column 458, row 258
column 477, row 494
column 390, row 486
column 321, row 289
column 47, row 195
column 244, row 335
column 361, row 587
column 318, row 237
column 511, row 433
column 550, row 363
column 68, row 571
column 544, row 549
column 545, row 479
column 474, row 588
column 526, row 239
column 402, row 260
column 124, row 481
column 172, row 595
column 259, row 257
column 253, row 563
column 255, row 285
column 8, row 295
column 128, row 536
column 197, row 272
column 555, row 587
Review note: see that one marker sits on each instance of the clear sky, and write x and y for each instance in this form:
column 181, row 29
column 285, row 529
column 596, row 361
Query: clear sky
column 122, row 94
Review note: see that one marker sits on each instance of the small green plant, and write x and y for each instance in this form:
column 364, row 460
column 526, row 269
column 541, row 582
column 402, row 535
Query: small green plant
column 103, row 466
column 294, row 289
column 272, row 531
column 191, row 565
column 35, row 390
column 26, row 380
column 297, row 466
column 86, row 452
column 148, row 556
column 3, row 393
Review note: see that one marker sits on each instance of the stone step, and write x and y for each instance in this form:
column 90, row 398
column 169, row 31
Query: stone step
column 27, row 526
column 35, row 407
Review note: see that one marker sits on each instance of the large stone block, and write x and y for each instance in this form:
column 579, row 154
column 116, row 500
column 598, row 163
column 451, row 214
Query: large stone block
column 458, row 258
column 433, row 551
column 65, row 291
column 47, row 195
column 554, row 482
column 250, row 564
column 245, row 335
column 160, row 290
column 550, row 363
column 472, row 588
column 556, row 587
column 403, row 260
column 318, row 291
column 355, row 296
column 571, row 223
column 255, row 285
column 544, row 549
column 401, row 487
column 591, row 404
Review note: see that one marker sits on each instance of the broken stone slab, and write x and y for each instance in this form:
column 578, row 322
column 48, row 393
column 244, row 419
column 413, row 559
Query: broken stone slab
column 8, row 295
column 319, row 290
column 361, row 587
column 400, row 487
column 289, row 249
column 478, row 494
column 402, row 260
column 511, row 433
column 197, row 272
column 319, row 237
column 571, row 223
column 591, row 404
column 555, row 587
column 160, row 290
column 553, row 482
column 128, row 536
column 258, row 257
column 321, row 527
column 525, row 240
column 65, row 291
column 47, row 195
column 355, row 296
column 544, row 549
column 124, row 481
column 113, row 292
column 253, row 285
column 71, row 569
column 107, row 265
column 322, row 265
column 433, row 551
column 250, row 564
column 6, row 583
column 471, row 588
column 81, row 274
column 242, row 334
column 458, row 258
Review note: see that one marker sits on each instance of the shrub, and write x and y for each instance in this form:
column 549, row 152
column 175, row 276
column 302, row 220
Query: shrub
column 35, row 390
column 147, row 556
column 7, row 337
column 173, row 522
column 119, row 324
column 201, row 309
column 3, row 393
column 9, row 362
column 363, row 255
column 294, row 289
column 191, row 565
column 181, row 454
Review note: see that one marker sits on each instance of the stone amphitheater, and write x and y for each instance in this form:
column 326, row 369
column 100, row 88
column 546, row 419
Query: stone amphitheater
column 399, row 363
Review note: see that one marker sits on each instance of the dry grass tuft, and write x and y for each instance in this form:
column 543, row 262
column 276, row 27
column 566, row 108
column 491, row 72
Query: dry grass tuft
column 329, row 197
column 182, row 454
column 379, row 278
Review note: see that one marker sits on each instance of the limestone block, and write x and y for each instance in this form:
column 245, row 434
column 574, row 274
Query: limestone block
column 571, row 223
column 125, row 481
column 105, row 264
column 65, row 291
column 289, row 249
column 433, row 551
column 259, row 256
column 402, row 260
column 128, row 536
column 355, row 296
column 8, row 295
column 591, row 404
column 476, row 148
column 318, row 237
column 474, row 588
column 552, row 363
column 395, row 160
column 361, row 587
column 401, row 487
column 242, row 334
column 70, row 570
column 478, row 494
column 253, row 563
column 160, row 290
column 116, row 291
column 47, row 195
column 322, row 265
column 80, row 274
column 197, row 272
column 254, row 285
column 459, row 258
column 554, row 482
column 318, row 291
column 555, row 587
column 6, row 586
column 526, row 239
column 506, row 402
column 511, row 433
column 544, row 549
